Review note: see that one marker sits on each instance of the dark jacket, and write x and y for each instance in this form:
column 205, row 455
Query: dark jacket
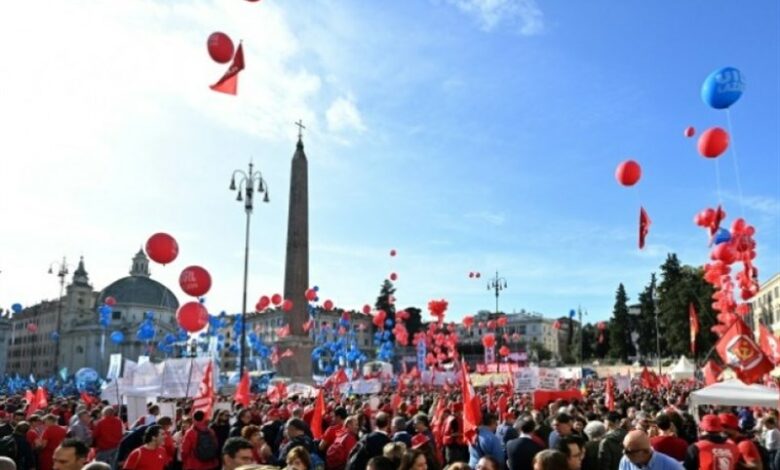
column 131, row 441
column 223, row 432
column 302, row 441
column 25, row 457
column 235, row 430
column 371, row 445
column 506, row 432
column 611, row 449
column 520, row 453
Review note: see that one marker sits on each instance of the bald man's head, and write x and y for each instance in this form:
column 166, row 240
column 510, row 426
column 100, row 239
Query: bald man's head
column 636, row 446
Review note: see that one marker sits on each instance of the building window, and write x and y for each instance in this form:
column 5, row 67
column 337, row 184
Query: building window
column 116, row 315
column 79, row 350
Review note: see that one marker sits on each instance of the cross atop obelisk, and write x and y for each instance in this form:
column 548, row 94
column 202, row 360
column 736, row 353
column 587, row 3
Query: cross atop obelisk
column 301, row 127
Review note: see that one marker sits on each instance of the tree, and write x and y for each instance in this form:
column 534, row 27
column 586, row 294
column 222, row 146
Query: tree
column 414, row 324
column 601, row 345
column 383, row 302
column 646, row 320
column 587, row 335
column 538, row 351
column 619, row 332
column 682, row 286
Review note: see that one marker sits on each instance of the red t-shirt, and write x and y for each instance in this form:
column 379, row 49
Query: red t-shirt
column 144, row 458
column 747, row 450
column 672, row 446
column 53, row 435
column 108, row 433
column 332, row 433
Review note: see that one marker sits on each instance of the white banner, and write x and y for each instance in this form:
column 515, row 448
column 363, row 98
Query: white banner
column 440, row 378
column 362, row 387
column 549, row 379
column 623, row 383
column 168, row 408
column 143, row 360
column 114, row 366
column 136, row 407
column 526, row 379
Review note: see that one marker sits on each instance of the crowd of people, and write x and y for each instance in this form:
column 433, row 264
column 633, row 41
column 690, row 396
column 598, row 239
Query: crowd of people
column 644, row 429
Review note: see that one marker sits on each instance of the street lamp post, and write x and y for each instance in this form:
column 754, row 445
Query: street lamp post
column 497, row 284
column 61, row 271
column 246, row 181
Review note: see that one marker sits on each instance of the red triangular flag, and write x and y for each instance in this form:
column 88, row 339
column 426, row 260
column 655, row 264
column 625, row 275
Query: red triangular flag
column 769, row 343
column 739, row 351
column 711, row 372
column 316, row 418
column 693, row 319
column 242, row 395
column 644, row 226
column 649, row 380
column 229, row 82
column 471, row 407
column 204, row 400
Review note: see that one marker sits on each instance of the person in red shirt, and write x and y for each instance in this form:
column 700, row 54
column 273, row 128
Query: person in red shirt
column 107, row 435
column 749, row 456
column 151, row 455
column 334, row 430
column 166, row 423
column 199, row 430
column 667, row 442
column 52, row 437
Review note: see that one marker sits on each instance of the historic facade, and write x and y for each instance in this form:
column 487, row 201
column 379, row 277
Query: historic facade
column 83, row 342
column 765, row 305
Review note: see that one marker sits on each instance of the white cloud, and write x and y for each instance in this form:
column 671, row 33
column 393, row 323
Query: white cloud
column 343, row 115
column 525, row 15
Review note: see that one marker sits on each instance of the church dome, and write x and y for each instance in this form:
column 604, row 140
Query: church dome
column 138, row 288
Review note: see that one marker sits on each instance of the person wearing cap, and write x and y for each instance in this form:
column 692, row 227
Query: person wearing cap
column 611, row 447
column 521, row 451
column 639, row 455
column 712, row 447
column 295, row 431
column 667, row 442
column 455, row 448
column 749, row 456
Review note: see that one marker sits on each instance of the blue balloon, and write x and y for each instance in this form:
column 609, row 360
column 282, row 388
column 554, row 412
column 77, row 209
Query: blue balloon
column 722, row 236
column 316, row 288
column 723, row 87
column 149, row 315
column 169, row 338
column 55, row 336
column 17, row 308
column 87, row 375
column 105, row 310
column 389, row 323
column 117, row 337
column 572, row 313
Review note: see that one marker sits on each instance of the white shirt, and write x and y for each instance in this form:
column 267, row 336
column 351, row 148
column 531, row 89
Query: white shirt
column 771, row 439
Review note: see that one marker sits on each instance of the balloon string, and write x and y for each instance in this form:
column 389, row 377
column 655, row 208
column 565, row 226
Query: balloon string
column 733, row 146
column 717, row 181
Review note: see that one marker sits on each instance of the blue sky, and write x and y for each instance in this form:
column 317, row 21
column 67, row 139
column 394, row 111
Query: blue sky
column 470, row 135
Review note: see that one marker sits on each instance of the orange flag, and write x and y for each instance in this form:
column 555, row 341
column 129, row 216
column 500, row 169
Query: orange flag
column 316, row 418
column 242, row 392
column 229, row 82
column 693, row 318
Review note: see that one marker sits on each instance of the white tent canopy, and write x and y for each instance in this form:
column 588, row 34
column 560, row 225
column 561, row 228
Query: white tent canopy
column 735, row 393
column 683, row 370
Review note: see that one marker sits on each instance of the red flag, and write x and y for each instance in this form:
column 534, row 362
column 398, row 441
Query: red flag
column 316, row 419
column 87, row 399
column 42, row 398
column 502, row 406
column 609, row 394
column 229, row 82
column 32, row 403
column 204, row 400
column 277, row 393
column 649, row 380
column 712, row 371
column 739, row 351
column 242, row 395
column 644, row 226
column 491, row 390
column 471, row 408
column 769, row 343
column 693, row 319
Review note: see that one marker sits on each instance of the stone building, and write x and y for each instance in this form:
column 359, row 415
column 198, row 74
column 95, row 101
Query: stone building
column 765, row 306
column 83, row 342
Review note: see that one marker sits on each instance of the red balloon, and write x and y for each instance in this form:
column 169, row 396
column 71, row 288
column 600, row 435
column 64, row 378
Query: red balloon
column 628, row 173
column 328, row 304
column 468, row 321
column 192, row 316
column 195, row 281
column 690, row 131
column 276, row 299
column 725, row 253
column 477, row 275
column 311, row 294
column 713, row 142
column 110, row 301
column 392, row 253
column 264, row 302
column 287, row 305
column 488, row 340
column 220, row 47
column 366, row 309
column 32, row 327
column 503, row 351
column 162, row 248
column 501, row 322
column 393, row 276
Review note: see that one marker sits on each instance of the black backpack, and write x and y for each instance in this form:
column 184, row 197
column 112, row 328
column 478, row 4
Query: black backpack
column 206, row 446
column 8, row 447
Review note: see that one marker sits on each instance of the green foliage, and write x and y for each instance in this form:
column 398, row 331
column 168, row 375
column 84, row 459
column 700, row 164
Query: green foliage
column 646, row 321
column 620, row 346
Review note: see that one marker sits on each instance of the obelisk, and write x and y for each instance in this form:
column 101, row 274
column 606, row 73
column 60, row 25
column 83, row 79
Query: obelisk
column 296, row 274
